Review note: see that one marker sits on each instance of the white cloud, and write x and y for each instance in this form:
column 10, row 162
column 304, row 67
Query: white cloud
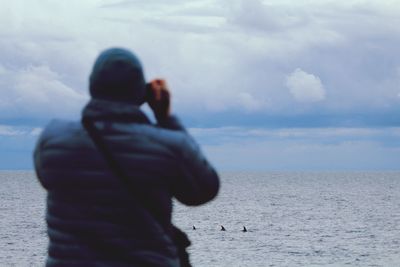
column 2, row 70
column 8, row 130
column 305, row 87
column 36, row 131
column 258, row 15
column 223, row 101
column 37, row 91
column 215, row 54
column 251, row 103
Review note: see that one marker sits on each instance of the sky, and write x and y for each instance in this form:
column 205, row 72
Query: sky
column 262, row 85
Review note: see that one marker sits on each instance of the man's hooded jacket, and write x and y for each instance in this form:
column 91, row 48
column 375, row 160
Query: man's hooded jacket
column 92, row 218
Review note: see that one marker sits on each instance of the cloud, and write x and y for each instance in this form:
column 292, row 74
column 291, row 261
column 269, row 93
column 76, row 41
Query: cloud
column 220, row 57
column 295, row 155
column 236, row 148
column 251, row 103
column 2, row 70
column 6, row 130
column 36, row 131
column 16, row 146
column 305, row 87
column 37, row 91
column 9, row 131
column 260, row 16
column 327, row 133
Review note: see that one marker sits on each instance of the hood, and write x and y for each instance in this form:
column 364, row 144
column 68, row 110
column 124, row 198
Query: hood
column 117, row 75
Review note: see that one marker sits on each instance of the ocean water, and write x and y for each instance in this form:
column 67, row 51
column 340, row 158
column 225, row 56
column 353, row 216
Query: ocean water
column 293, row 219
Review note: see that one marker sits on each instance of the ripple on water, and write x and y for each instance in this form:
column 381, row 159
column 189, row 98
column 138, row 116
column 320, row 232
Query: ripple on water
column 293, row 219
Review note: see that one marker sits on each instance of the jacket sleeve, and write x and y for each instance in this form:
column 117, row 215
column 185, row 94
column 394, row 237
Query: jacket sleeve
column 197, row 182
column 37, row 160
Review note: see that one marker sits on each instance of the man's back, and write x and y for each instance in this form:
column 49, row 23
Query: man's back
column 92, row 216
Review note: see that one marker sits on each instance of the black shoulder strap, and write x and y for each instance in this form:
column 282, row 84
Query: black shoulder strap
column 180, row 239
column 116, row 169
column 101, row 146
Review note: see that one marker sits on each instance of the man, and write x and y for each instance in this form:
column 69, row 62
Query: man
column 110, row 181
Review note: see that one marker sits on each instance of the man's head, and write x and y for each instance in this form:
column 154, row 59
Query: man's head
column 117, row 75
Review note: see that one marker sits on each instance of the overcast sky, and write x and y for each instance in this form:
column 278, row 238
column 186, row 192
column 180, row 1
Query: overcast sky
column 263, row 85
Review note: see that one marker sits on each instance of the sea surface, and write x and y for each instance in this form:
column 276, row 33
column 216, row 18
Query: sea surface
column 292, row 218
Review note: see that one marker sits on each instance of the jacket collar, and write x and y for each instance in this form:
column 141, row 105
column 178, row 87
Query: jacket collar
column 98, row 109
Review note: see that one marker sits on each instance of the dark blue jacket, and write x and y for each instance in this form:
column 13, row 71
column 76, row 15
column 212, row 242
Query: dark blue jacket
column 92, row 218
